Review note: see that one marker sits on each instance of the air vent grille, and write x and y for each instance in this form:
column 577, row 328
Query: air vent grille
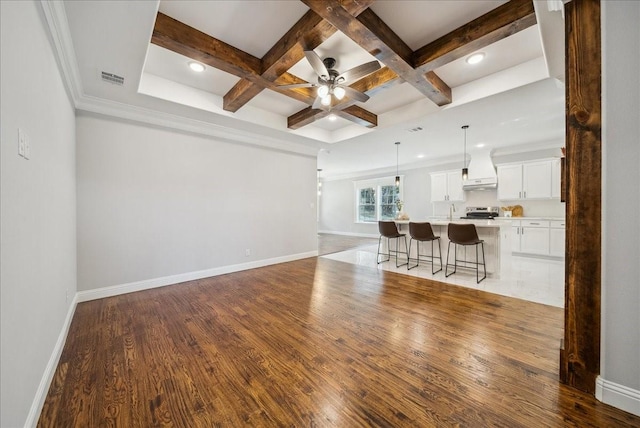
column 112, row 78
column 416, row 129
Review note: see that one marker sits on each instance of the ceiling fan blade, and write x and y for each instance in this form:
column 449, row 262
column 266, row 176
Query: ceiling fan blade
column 316, row 63
column 297, row 85
column 317, row 104
column 354, row 94
column 357, row 73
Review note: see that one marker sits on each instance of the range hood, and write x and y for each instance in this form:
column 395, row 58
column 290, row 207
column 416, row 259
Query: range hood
column 482, row 172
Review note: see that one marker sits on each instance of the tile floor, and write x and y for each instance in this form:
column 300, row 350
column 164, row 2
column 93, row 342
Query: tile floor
column 527, row 278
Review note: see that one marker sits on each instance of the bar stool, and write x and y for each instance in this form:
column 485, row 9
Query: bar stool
column 423, row 232
column 465, row 235
column 389, row 230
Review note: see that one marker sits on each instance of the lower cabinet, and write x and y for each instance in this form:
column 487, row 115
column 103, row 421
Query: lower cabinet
column 539, row 237
column 557, row 238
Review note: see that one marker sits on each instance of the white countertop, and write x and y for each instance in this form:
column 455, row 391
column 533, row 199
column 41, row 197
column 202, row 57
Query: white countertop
column 445, row 222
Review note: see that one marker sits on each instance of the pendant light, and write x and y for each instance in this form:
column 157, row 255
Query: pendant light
column 397, row 157
column 465, row 170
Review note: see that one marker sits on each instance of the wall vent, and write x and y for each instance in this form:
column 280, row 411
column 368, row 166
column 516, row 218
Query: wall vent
column 112, row 78
column 416, row 129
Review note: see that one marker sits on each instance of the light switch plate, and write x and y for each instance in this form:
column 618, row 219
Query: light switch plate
column 27, row 146
column 21, row 142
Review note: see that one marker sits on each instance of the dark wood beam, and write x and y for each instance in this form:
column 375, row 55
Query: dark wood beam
column 357, row 114
column 491, row 27
column 306, row 34
column 305, row 117
column 580, row 356
column 372, row 34
column 178, row 37
column 280, row 58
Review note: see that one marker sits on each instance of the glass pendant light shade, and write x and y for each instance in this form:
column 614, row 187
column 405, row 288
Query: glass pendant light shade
column 326, row 100
column 465, row 173
column 339, row 92
column 323, row 91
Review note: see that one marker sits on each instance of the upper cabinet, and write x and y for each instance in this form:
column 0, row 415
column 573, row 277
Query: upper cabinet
column 529, row 180
column 446, row 186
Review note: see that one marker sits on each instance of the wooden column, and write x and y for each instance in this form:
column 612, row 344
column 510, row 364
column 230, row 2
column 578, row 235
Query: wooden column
column 580, row 356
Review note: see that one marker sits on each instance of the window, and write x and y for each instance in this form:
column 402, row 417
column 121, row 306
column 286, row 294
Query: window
column 376, row 199
column 388, row 198
column 367, row 204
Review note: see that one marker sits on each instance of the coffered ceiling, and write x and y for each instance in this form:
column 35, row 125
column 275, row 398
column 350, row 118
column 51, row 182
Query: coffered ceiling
column 249, row 48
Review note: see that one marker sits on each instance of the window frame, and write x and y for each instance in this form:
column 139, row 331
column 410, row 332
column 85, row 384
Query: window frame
column 376, row 184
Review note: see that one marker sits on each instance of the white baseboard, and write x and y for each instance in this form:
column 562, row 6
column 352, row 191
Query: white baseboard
column 147, row 284
column 50, row 370
column 360, row 235
column 617, row 395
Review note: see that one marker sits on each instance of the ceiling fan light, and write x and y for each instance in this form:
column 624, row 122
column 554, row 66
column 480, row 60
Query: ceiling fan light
column 339, row 92
column 326, row 100
column 323, row 91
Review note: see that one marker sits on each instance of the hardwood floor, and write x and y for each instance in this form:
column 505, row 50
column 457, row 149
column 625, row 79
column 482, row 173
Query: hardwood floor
column 316, row 342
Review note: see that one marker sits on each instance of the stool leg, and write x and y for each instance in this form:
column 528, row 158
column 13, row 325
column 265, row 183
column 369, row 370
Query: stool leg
column 484, row 264
column 406, row 251
column 455, row 267
column 433, row 258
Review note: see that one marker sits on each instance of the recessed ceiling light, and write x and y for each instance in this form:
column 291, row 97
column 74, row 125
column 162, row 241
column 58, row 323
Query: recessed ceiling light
column 420, row 156
column 196, row 66
column 332, row 117
column 475, row 58
column 480, row 145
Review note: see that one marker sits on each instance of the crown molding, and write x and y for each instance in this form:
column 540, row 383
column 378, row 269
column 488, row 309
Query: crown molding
column 60, row 36
column 181, row 123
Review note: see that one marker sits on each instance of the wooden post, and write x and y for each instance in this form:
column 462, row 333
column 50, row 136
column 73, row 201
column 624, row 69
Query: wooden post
column 580, row 356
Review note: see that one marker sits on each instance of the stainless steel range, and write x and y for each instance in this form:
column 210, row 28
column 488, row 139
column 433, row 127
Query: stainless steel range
column 481, row 213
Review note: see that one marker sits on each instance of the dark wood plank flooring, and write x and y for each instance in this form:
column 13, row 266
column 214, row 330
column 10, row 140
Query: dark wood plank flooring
column 316, row 343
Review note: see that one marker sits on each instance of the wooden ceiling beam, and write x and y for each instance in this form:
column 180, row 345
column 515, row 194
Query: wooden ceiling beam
column 495, row 25
column 306, row 34
column 358, row 115
column 185, row 40
column 305, row 117
column 178, row 37
column 373, row 35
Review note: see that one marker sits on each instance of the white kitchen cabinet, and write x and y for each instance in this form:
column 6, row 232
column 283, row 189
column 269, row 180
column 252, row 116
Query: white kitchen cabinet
column 536, row 180
column 510, row 182
column 557, row 238
column 555, row 178
column 525, row 180
column 538, row 237
column 447, row 186
column 534, row 237
column 515, row 236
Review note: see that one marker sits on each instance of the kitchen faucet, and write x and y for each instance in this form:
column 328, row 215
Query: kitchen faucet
column 452, row 209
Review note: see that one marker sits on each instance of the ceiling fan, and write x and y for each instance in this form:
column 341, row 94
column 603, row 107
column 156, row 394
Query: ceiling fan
column 331, row 83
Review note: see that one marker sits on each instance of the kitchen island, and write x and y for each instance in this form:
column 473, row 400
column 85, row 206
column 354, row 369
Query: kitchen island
column 496, row 236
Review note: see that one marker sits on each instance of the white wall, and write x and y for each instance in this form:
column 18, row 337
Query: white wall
column 154, row 203
column 38, row 210
column 620, row 364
